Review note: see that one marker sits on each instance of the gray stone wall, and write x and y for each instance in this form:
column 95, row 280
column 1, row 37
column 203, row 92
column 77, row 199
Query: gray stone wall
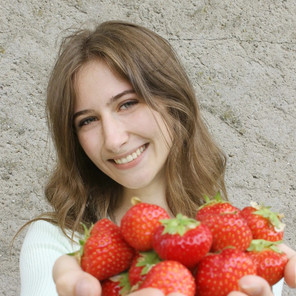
column 239, row 54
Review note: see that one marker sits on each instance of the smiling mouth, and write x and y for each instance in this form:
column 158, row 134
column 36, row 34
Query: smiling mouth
column 131, row 156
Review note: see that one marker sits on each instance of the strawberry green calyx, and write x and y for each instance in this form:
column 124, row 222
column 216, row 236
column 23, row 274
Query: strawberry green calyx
column 147, row 261
column 273, row 217
column 78, row 254
column 123, row 281
column 211, row 201
column 87, row 232
column 259, row 245
column 179, row 225
column 216, row 198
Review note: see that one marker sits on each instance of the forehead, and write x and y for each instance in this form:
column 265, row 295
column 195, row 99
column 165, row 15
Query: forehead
column 96, row 81
column 98, row 70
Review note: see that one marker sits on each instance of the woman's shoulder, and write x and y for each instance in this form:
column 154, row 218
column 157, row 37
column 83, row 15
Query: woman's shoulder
column 43, row 225
column 43, row 233
column 43, row 244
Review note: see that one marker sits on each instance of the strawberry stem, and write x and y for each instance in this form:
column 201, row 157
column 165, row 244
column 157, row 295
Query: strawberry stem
column 135, row 200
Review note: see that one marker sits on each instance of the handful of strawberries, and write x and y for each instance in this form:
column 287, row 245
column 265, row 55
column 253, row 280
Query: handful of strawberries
column 205, row 256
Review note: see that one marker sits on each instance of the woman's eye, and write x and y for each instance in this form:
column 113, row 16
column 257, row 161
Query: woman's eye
column 86, row 121
column 128, row 104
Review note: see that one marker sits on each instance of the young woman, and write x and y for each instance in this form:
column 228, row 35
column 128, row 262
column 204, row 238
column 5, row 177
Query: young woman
column 125, row 122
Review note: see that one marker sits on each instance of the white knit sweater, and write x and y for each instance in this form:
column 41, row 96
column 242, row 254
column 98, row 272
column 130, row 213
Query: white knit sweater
column 43, row 244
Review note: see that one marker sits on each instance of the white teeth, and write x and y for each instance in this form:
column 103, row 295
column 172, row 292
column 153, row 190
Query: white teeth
column 130, row 157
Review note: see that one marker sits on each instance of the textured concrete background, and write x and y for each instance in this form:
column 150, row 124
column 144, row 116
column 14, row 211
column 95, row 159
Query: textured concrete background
column 241, row 58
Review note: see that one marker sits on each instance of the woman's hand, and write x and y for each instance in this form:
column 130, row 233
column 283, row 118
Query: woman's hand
column 256, row 286
column 71, row 280
column 152, row 292
column 290, row 269
column 252, row 285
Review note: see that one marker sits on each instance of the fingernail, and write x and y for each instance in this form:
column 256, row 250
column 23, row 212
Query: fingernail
column 249, row 288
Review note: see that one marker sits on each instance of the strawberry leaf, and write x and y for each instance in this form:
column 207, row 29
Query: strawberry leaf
column 179, row 225
column 147, row 261
column 211, row 201
column 273, row 218
column 124, row 284
column 87, row 232
column 259, row 245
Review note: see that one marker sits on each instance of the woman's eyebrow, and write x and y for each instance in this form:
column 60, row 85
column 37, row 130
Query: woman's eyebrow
column 112, row 100
column 80, row 113
column 118, row 96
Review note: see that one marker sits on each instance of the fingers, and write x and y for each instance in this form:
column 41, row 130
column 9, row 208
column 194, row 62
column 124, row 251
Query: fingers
column 290, row 252
column 290, row 272
column 87, row 286
column 154, row 292
column 71, row 280
column 251, row 285
column 147, row 292
column 290, row 269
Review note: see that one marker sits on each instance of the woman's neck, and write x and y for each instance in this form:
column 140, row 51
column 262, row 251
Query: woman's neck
column 155, row 194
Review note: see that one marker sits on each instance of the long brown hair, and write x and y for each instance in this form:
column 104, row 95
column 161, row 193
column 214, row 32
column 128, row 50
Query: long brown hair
column 79, row 191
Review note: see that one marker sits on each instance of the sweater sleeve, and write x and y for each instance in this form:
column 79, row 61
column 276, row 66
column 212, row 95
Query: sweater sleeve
column 43, row 244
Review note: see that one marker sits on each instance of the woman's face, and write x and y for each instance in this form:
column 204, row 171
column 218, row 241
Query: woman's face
column 123, row 137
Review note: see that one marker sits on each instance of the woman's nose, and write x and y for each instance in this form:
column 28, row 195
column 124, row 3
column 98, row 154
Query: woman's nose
column 115, row 134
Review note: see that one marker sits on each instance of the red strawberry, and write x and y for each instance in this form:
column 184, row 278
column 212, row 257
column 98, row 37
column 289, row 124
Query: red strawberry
column 218, row 274
column 215, row 206
column 264, row 223
column 170, row 276
column 105, row 253
column 182, row 239
column 228, row 229
column 101, row 225
column 139, row 223
column 110, row 288
column 269, row 260
column 116, row 286
column 141, row 265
